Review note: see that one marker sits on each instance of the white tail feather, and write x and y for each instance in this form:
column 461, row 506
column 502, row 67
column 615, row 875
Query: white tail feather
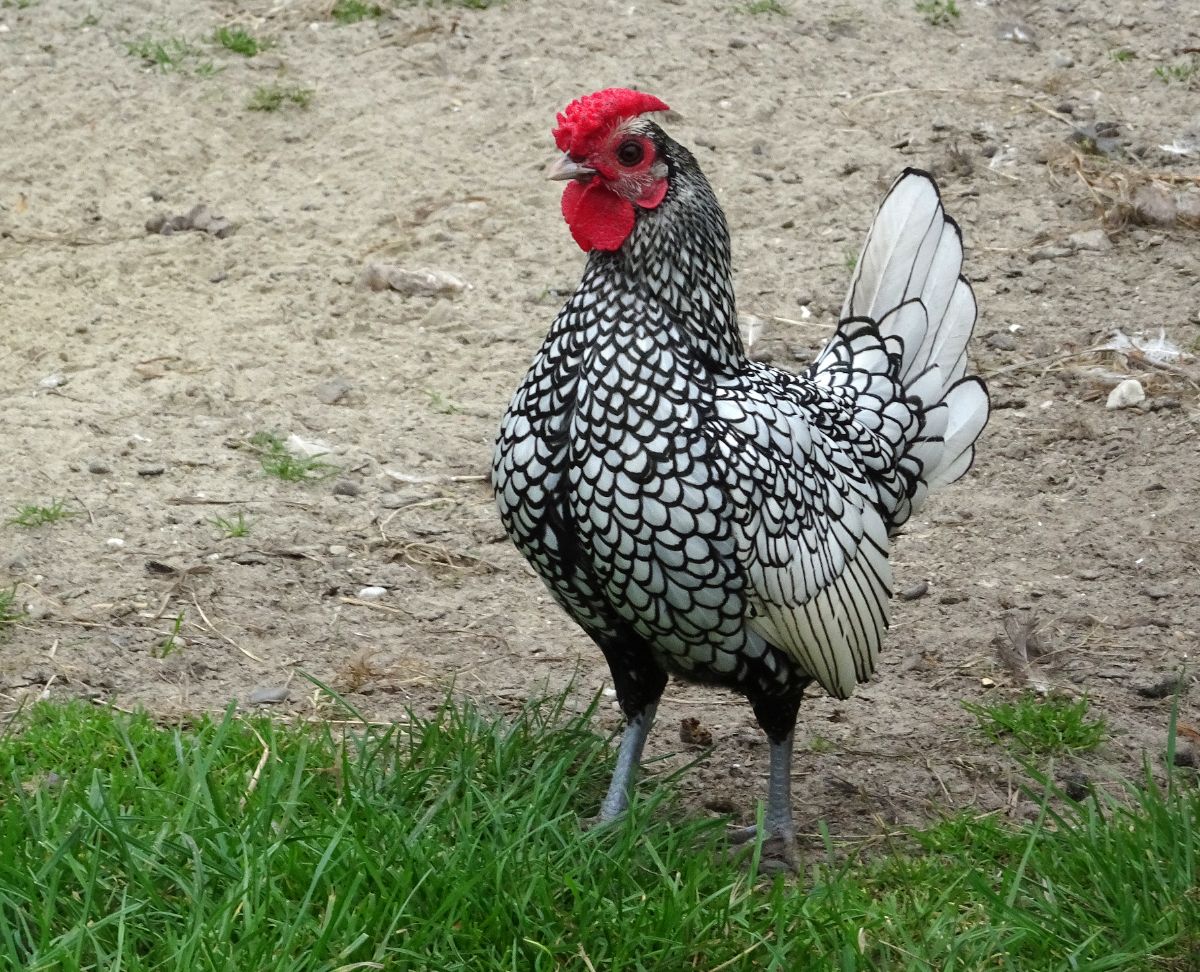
column 909, row 281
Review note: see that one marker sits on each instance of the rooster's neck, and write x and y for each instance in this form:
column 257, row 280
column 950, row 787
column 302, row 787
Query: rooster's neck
column 675, row 265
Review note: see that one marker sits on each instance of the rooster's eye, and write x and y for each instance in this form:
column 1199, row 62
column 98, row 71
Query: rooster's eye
column 630, row 153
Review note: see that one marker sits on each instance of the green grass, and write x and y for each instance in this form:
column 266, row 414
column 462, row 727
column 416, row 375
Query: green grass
column 1122, row 54
column 239, row 41
column 939, row 13
column 453, row 843
column 232, row 527
column 277, row 461
column 272, row 97
column 1040, row 726
column 10, row 610
column 352, row 11
column 764, row 7
column 172, row 54
column 32, row 515
column 1180, row 73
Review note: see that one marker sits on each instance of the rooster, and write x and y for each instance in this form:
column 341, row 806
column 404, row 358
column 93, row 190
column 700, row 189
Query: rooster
column 701, row 514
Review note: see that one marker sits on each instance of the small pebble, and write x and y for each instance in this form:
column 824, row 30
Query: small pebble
column 346, row 487
column 99, row 467
column 1062, row 60
column 338, row 550
column 1096, row 241
column 371, row 593
column 267, row 696
column 332, row 391
column 1129, row 392
column 920, row 589
column 1185, row 756
column 1002, row 341
column 55, row 380
column 952, row 598
column 156, row 470
column 114, row 543
column 1163, row 688
column 1157, row 593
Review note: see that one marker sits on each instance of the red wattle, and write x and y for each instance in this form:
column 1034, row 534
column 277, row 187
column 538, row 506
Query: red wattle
column 599, row 219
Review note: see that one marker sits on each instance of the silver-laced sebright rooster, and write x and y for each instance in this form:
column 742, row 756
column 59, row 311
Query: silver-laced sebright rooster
column 701, row 514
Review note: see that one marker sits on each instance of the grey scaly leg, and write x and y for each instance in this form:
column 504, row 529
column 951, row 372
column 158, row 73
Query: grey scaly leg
column 779, row 845
column 616, row 801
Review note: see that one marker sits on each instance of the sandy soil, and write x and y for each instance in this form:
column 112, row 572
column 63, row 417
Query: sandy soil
column 135, row 367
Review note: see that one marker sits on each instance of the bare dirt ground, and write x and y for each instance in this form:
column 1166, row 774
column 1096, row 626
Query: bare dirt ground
column 135, row 367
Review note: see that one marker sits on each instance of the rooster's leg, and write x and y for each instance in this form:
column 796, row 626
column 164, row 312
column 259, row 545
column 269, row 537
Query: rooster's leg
column 778, row 719
column 639, row 682
column 616, row 801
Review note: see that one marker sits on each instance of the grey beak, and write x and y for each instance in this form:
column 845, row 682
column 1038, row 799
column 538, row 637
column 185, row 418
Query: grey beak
column 566, row 168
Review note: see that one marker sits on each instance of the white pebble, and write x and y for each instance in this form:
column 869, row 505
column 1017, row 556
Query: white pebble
column 1129, row 392
column 114, row 543
column 370, row 593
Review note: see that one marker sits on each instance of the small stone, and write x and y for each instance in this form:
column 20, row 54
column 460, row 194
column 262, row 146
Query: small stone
column 371, row 593
column 1157, row 593
column 114, row 543
column 1162, row 688
column 98, row 467
column 343, row 276
column 148, row 471
column 952, row 598
column 1035, row 286
column 1002, row 341
column 402, row 498
column 738, row 42
column 1062, row 60
column 1185, row 756
column 338, row 550
column 919, row 589
column 1129, row 392
column 1089, row 573
column 692, row 733
column 1095, row 241
column 346, row 487
column 55, row 380
column 332, row 391
column 267, row 696
column 1077, row 786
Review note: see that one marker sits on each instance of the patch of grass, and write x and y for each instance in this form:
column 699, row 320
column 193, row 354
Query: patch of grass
column 239, row 41
column 1180, row 73
column 440, row 403
column 272, row 97
column 939, row 13
column 352, row 11
column 277, row 461
column 1122, row 54
column 32, row 515
column 232, row 528
column 10, row 610
column 453, row 842
column 172, row 642
column 172, row 54
column 850, row 258
column 1040, row 726
column 757, row 7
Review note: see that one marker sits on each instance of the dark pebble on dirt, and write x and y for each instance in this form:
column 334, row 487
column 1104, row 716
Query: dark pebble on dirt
column 346, row 487
column 148, row 471
column 1162, row 688
column 1077, row 786
column 1185, row 756
column 952, row 598
column 920, row 589
column 99, row 468
column 1001, row 341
